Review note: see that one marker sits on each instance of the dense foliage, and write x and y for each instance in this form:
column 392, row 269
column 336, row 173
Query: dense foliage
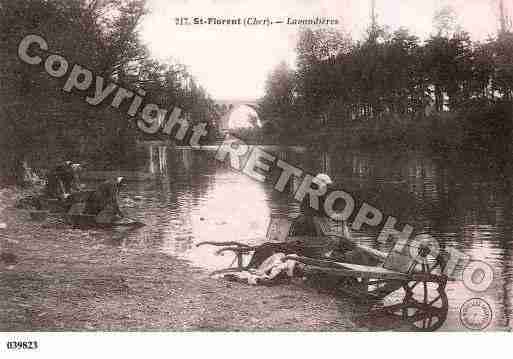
column 388, row 78
column 38, row 118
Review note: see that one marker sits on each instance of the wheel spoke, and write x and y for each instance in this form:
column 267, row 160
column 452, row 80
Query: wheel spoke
column 421, row 315
column 413, row 286
column 434, row 266
column 405, row 313
column 425, row 293
column 434, row 300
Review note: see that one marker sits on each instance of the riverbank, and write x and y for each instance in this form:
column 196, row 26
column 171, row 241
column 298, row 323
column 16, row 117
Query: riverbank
column 56, row 278
column 482, row 126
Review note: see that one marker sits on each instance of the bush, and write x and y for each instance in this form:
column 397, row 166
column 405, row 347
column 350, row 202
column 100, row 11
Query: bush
column 487, row 125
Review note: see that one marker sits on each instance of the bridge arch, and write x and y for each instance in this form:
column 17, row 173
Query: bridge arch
column 231, row 106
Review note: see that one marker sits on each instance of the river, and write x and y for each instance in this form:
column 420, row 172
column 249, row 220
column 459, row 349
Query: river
column 186, row 196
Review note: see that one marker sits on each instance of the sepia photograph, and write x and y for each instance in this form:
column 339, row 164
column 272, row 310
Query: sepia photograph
column 295, row 166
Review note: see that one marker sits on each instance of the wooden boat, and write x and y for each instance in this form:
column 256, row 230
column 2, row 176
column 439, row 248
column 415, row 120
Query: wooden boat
column 84, row 220
column 73, row 214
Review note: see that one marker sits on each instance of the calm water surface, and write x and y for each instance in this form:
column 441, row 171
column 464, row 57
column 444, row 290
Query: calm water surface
column 186, row 197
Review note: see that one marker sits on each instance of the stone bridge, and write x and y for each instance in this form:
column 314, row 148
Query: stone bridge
column 232, row 105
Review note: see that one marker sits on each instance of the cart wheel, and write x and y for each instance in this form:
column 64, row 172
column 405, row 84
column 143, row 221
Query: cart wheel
column 424, row 315
column 424, row 309
column 425, row 302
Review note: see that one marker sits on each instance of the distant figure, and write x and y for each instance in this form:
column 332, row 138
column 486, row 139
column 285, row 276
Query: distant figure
column 24, row 174
column 75, row 184
column 63, row 181
column 59, row 181
column 104, row 202
column 304, row 225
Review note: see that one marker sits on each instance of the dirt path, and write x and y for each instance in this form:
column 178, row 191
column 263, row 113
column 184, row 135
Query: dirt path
column 64, row 280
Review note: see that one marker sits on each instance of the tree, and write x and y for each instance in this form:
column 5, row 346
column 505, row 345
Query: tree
column 389, row 75
column 102, row 35
column 445, row 21
column 503, row 61
column 278, row 103
column 405, row 84
column 317, row 83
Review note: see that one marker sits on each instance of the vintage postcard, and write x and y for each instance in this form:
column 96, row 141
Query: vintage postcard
column 255, row 166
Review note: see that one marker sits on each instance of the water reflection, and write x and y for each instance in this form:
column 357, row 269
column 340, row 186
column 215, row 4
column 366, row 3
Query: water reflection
column 463, row 202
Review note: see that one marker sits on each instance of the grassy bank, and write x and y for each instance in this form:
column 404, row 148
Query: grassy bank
column 56, row 278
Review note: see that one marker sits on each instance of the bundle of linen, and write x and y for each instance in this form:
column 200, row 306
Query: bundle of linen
column 269, row 272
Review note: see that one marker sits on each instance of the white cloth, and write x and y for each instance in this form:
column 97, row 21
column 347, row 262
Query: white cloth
column 269, row 269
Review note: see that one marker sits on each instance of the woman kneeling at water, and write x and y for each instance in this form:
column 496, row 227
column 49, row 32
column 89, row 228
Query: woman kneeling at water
column 104, row 202
column 305, row 223
column 63, row 181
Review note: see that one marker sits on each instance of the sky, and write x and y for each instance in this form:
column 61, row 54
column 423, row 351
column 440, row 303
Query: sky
column 232, row 62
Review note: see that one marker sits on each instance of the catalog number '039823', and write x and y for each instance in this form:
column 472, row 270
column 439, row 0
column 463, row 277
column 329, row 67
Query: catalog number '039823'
column 22, row 345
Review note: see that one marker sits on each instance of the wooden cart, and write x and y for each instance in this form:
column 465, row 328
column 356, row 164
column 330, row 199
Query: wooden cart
column 418, row 279
column 424, row 302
